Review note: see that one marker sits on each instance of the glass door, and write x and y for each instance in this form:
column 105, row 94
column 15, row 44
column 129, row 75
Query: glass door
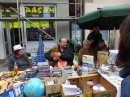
column 7, row 52
column 14, row 33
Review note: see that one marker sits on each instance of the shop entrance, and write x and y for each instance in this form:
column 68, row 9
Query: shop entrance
column 14, row 33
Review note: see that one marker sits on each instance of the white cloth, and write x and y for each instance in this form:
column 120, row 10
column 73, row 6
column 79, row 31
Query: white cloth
column 118, row 87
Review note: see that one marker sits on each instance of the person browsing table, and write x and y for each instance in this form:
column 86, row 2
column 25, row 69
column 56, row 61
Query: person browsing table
column 85, row 50
column 19, row 58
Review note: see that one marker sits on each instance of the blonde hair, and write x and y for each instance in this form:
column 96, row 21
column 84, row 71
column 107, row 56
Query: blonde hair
column 86, row 42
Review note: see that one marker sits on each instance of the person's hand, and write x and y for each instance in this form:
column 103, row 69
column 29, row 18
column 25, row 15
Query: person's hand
column 54, row 58
column 92, row 41
column 57, row 54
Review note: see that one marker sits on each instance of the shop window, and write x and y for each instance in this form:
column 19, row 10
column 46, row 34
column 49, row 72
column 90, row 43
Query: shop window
column 33, row 32
column 76, row 33
column 47, row 26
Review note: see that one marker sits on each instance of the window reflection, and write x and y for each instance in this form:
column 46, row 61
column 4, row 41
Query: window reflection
column 45, row 11
column 33, row 33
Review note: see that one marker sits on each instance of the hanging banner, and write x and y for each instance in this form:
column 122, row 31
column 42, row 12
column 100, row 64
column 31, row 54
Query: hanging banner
column 28, row 25
column 10, row 25
column 44, row 24
column 36, row 23
column 3, row 24
column 15, row 25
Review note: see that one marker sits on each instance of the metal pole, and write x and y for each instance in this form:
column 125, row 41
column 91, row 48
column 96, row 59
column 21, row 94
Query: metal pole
column 75, row 9
column 81, row 2
column 51, row 3
column 34, row 24
column 75, row 32
column 18, row 22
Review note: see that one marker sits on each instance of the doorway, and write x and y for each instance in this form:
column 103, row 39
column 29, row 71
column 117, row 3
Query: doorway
column 14, row 33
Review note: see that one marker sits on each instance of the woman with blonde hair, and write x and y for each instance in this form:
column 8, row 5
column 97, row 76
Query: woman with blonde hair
column 85, row 50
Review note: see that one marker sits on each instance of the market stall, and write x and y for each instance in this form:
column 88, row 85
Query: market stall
column 85, row 80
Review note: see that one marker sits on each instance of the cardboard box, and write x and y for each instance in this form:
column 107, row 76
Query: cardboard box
column 86, row 91
column 102, row 57
column 110, row 89
column 52, row 88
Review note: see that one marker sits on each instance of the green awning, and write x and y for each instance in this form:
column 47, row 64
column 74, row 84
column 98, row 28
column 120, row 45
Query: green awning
column 90, row 16
column 107, row 17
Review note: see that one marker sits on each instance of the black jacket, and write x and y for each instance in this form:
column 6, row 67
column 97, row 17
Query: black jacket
column 66, row 55
column 95, row 37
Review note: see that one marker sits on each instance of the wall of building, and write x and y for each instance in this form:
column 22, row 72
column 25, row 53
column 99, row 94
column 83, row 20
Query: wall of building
column 2, row 43
column 63, row 26
column 94, row 4
column 62, row 10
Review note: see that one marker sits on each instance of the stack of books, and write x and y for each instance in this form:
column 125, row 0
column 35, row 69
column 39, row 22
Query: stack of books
column 56, row 72
column 67, row 71
column 43, row 70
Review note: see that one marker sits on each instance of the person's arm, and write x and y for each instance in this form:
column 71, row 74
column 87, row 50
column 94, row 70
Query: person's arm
column 10, row 65
column 95, row 52
column 100, row 37
column 105, row 47
column 89, row 37
column 68, row 56
column 48, row 56
column 80, row 54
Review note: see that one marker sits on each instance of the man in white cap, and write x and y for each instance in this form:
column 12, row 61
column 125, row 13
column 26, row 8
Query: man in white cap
column 19, row 58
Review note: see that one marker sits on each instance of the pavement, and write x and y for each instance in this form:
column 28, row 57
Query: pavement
column 4, row 66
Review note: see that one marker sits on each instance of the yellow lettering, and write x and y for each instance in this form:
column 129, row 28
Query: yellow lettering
column 46, row 9
column 34, row 10
column 52, row 10
column 27, row 10
column 39, row 10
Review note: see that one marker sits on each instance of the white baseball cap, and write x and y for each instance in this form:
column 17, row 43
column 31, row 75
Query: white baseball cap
column 17, row 47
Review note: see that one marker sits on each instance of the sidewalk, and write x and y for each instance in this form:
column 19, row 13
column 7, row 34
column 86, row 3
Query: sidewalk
column 3, row 67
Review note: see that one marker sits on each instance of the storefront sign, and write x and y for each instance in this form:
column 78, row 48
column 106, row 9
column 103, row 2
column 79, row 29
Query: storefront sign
column 39, row 11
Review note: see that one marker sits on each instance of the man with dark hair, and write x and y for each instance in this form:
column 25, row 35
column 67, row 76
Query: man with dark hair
column 65, row 53
column 94, row 36
column 100, row 47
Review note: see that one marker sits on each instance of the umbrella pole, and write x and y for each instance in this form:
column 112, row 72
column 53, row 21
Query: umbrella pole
column 109, row 39
column 109, row 34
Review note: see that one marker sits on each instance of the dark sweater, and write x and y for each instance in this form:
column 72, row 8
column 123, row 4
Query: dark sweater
column 82, row 52
column 23, row 63
column 96, row 37
column 97, row 48
column 66, row 55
